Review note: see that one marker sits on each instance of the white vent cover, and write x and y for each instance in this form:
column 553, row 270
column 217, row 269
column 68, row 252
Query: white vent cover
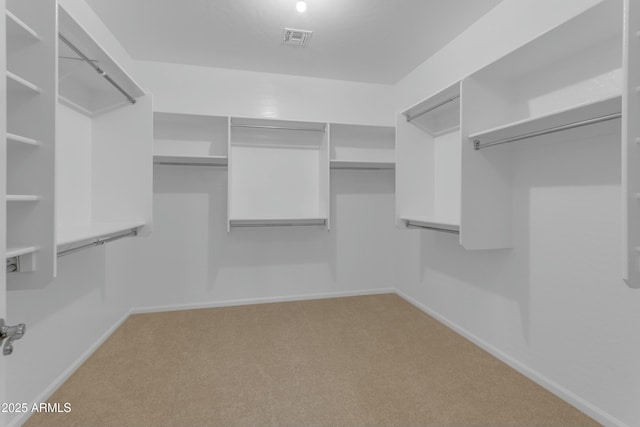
column 296, row 37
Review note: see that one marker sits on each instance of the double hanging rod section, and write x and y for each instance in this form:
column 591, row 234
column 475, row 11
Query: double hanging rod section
column 98, row 70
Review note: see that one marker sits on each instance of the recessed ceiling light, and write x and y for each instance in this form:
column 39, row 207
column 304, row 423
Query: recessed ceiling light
column 301, row 6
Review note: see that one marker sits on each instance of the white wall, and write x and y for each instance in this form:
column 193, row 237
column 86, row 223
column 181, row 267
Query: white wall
column 215, row 91
column 191, row 260
column 555, row 305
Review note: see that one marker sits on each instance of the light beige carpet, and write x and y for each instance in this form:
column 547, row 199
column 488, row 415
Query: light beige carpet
column 361, row 361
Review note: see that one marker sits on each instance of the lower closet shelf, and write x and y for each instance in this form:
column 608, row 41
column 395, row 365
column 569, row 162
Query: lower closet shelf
column 430, row 223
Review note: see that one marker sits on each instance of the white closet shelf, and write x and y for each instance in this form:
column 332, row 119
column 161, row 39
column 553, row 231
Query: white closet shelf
column 277, row 222
column 22, row 198
column 361, row 164
column 81, row 233
column 431, row 223
column 17, row 83
column 16, row 28
column 190, row 160
column 14, row 252
column 523, row 129
column 12, row 137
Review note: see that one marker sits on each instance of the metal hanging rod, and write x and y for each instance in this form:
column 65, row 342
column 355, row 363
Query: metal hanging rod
column 191, row 164
column 277, row 127
column 282, row 224
column 99, row 70
column 478, row 145
column 435, row 107
column 411, row 224
column 98, row 242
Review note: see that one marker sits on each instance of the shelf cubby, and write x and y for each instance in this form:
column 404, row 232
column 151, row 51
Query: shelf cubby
column 428, row 163
column 569, row 77
column 278, row 170
column 361, row 147
column 190, row 140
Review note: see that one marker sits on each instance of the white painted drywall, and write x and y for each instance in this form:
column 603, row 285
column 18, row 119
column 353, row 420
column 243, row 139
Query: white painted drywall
column 215, row 91
column 191, row 260
column 556, row 304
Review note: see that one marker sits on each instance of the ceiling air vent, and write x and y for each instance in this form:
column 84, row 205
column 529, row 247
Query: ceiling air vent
column 296, row 37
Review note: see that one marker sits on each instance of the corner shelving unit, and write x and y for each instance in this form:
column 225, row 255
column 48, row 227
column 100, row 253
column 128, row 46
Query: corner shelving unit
column 278, row 173
column 428, row 163
column 361, row 147
column 190, row 140
column 569, row 77
column 29, row 142
column 105, row 144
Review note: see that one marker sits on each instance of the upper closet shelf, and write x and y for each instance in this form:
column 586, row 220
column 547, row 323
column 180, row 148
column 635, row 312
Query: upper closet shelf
column 569, row 118
column 190, row 160
column 90, row 81
column 361, row 164
column 17, row 29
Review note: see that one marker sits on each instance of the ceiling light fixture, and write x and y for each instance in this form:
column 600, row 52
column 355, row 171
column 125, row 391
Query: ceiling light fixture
column 301, row 6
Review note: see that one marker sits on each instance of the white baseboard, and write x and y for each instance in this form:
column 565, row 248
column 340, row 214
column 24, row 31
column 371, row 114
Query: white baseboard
column 265, row 300
column 23, row 417
column 564, row 394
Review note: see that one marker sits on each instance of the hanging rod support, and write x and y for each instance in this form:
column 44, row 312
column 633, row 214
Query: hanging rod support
column 98, row 70
column 478, row 145
column 435, row 107
column 98, row 242
column 277, row 127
